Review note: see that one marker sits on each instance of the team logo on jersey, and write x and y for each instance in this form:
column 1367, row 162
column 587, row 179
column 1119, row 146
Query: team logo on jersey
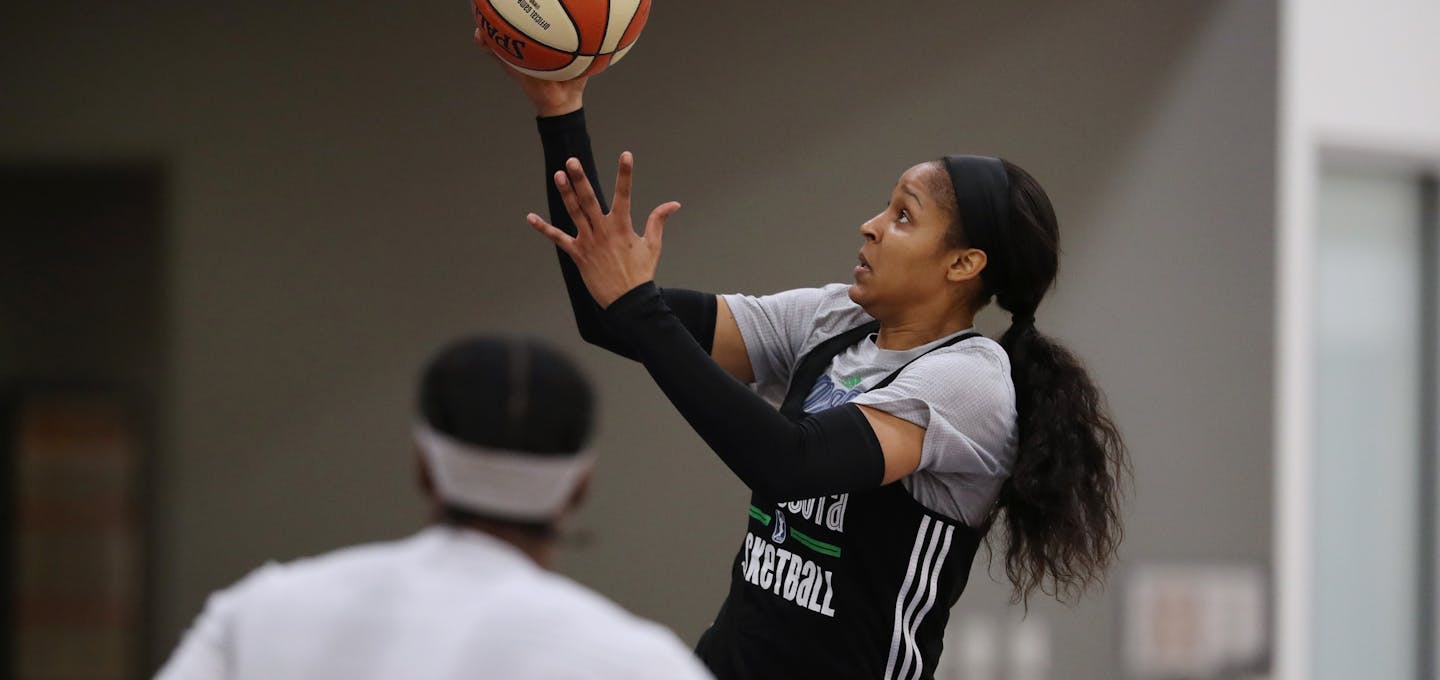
column 827, row 395
column 780, row 529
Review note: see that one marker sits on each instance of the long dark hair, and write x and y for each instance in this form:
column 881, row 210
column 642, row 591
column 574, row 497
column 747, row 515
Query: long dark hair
column 1061, row 505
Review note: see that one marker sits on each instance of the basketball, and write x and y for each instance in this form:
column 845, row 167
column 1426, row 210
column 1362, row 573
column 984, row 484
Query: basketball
column 560, row 39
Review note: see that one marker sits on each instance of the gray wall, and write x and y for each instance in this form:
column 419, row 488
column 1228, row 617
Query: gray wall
column 348, row 182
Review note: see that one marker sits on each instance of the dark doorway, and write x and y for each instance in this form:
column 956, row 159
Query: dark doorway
column 82, row 332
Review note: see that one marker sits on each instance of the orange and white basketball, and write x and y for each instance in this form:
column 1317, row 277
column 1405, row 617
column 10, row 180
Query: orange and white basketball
column 560, row 39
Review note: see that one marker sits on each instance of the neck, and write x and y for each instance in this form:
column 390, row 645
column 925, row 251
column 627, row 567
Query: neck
column 911, row 331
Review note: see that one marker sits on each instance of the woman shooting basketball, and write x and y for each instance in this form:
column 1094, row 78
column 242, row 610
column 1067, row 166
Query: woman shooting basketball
column 902, row 436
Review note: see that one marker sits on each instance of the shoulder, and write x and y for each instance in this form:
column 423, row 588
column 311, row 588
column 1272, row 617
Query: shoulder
column 779, row 329
column 223, row 604
column 797, row 302
column 834, row 314
column 289, row 586
column 351, row 560
column 971, row 375
column 979, row 356
column 583, row 614
column 963, row 396
column 833, row 300
column 603, row 636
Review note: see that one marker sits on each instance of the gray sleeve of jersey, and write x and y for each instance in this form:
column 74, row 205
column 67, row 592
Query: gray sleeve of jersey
column 775, row 328
column 964, row 399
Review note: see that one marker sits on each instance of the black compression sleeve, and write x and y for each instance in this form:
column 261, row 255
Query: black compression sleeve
column 833, row 451
column 565, row 137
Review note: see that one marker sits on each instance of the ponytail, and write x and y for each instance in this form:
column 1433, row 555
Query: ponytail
column 1060, row 507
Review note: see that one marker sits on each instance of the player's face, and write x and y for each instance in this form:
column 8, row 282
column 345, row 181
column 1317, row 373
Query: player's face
column 905, row 258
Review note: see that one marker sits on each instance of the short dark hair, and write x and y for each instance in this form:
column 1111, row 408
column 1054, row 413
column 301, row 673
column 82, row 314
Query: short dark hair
column 511, row 393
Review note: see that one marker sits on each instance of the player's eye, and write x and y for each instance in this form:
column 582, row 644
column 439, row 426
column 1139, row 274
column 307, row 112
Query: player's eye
column 904, row 215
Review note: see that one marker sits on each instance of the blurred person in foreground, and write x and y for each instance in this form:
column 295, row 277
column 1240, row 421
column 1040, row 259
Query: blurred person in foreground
column 500, row 435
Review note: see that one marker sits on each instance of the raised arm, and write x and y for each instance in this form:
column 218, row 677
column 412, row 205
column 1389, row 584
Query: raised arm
column 560, row 117
column 564, row 137
column 846, row 448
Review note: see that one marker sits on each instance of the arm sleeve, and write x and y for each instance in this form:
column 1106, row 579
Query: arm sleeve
column 564, row 137
column 829, row 452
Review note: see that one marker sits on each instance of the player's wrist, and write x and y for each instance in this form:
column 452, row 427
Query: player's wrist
column 621, row 303
column 558, row 107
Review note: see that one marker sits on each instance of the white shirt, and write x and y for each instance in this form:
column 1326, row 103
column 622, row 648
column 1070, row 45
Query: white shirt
column 444, row 603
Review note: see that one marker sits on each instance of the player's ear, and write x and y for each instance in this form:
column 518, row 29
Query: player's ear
column 966, row 264
column 580, row 494
column 422, row 477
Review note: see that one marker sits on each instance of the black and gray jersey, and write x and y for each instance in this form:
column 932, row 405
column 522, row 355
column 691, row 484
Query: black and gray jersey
column 852, row 585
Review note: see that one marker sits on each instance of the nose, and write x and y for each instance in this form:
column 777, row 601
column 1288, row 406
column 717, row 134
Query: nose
column 869, row 230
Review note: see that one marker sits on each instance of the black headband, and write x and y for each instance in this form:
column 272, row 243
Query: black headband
column 982, row 194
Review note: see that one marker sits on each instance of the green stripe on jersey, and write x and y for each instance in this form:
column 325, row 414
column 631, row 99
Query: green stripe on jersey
column 759, row 514
column 818, row 546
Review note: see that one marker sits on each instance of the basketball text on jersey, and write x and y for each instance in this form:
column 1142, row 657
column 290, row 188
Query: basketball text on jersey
column 791, row 576
column 786, row 571
column 826, row 511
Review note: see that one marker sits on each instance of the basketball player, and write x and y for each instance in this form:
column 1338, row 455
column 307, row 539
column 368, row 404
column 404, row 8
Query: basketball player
column 901, row 436
column 501, row 437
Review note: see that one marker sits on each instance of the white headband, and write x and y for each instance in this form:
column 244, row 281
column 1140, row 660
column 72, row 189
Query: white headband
column 509, row 484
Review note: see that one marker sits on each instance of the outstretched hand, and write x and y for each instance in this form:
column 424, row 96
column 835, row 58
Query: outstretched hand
column 611, row 257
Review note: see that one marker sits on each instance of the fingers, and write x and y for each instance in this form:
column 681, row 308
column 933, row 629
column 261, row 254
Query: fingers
column 623, row 178
column 485, row 49
column 489, row 53
column 655, row 224
column 572, row 205
column 583, row 191
column 561, row 239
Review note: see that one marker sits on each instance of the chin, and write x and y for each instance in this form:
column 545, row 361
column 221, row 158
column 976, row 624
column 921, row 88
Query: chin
column 857, row 294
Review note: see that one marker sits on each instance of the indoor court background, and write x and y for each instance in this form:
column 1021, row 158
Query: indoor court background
column 335, row 189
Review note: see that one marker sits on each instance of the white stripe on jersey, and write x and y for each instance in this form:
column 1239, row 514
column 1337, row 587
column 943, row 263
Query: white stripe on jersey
column 914, row 626
column 920, row 588
column 895, row 636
